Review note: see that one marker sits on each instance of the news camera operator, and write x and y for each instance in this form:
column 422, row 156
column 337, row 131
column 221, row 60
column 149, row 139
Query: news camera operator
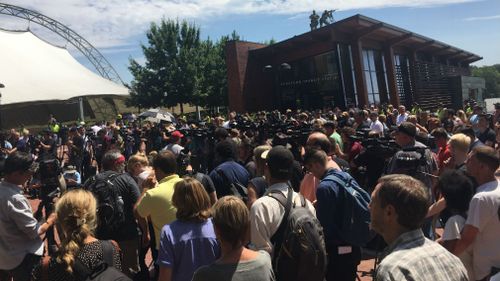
column 50, row 183
column 75, row 143
column 47, row 146
column 370, row 162
column 414, row 159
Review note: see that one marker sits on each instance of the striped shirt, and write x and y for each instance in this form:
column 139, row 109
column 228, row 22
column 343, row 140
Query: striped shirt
column 413, row 257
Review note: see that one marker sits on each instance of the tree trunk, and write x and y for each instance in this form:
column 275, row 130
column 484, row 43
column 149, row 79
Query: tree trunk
column 182, row 108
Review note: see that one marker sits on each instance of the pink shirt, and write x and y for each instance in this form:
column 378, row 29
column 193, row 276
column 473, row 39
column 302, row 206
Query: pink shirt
column 308, row 187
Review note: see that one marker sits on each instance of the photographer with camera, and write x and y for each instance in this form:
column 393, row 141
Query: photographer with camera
column 368, row 164
column 51, row 184
column 47, row 145
column 416, row 160
column 75, row 145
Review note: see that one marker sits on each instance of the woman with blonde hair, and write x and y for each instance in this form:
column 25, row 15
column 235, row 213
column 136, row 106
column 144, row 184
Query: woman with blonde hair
column 189, row 242
column 139, row 169
column 231, row 222
column 76, row 216
column 459, row 148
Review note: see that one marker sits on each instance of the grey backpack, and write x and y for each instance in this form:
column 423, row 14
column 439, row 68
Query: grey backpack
column 299, row 244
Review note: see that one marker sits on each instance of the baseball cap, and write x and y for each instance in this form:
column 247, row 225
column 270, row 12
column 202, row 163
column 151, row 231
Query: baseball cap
column 408, row 128
column 177, row 134
column 279, row 159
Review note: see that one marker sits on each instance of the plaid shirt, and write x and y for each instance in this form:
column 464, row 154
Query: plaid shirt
column 413, row 257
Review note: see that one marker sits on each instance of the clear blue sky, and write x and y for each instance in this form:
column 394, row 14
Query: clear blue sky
column 117, row 27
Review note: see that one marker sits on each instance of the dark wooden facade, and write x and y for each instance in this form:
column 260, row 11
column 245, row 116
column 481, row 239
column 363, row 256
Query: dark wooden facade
column 357, row 61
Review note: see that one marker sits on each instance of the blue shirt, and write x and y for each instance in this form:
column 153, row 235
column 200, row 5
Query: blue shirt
column 328, row 209
column 186, row 246
column 234, row 173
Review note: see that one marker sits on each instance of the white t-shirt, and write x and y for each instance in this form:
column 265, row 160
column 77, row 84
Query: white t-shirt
column 401, row 118
column 266, row 215
column 484, row 214
column 377, row 127
column 175, row 148
column 142, row 177
column 452, row 230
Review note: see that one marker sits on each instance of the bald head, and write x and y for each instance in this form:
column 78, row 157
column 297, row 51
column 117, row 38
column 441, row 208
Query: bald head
column 320, row 141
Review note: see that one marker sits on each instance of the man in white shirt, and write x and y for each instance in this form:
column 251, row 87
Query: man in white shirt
column 482, row 228
column 267, row 213
column 402, row 116
column 21, row 247
column 376, row 126
column 174, row 145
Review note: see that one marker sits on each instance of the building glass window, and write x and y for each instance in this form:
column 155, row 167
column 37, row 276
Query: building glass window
column 313, row 82
column 371, row 76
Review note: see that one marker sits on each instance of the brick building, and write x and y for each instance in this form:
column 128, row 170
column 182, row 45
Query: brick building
column 358, row 60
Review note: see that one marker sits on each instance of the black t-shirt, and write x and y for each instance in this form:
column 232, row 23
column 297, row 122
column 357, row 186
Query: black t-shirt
column 344, row 165
column 297, row 176
column 206, row 181
column 129, row 191
column 52, row 150
column 77, row 150
column 488, row 135
column 260, row 185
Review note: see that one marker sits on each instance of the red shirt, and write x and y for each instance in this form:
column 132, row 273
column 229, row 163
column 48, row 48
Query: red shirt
column 354, row 150
column 442, row 155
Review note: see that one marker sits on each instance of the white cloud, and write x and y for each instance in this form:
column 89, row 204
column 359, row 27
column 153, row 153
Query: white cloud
column 113, row 23
column 495, row 17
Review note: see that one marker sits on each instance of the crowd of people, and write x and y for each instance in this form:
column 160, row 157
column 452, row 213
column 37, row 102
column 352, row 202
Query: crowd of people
column 294, row 195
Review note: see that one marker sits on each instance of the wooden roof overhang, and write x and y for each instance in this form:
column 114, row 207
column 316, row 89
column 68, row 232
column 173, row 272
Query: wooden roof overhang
column 359, row 27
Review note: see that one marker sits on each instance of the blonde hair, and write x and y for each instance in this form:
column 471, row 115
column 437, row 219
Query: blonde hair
column 460, row 142
column 191, row 200
column 412, row 119
column 462, row 116
column 137, row 158
column 259, row 162
column 76, row 214
column 230, row 216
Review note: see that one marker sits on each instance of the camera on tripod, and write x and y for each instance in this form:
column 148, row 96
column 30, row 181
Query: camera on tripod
column 50, row 174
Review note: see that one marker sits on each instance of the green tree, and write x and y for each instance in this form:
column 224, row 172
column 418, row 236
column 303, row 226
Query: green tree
column 491, row 75
column 214, row 90
column 171, row 73
column 269, row 42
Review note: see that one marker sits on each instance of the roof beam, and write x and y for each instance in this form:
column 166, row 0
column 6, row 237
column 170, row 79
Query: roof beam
column 471, row 58
column 442, row 51
column 365, row 31
column 464, row 59
column 456, row 54
column 399, row 39
column 423, row 45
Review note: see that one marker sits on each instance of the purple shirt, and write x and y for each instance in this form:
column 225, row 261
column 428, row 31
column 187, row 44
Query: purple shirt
column 186, row 246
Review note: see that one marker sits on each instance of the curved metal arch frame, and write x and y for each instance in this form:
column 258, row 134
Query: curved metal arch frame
column 100, row 63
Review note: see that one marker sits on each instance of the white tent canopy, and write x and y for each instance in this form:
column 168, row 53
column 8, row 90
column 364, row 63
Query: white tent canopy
column 34, row 70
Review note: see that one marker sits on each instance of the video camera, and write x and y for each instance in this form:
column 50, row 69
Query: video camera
column 49, row 173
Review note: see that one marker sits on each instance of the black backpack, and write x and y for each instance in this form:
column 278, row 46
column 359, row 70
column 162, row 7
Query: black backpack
column 104, row 271
column 299, row 244
column 235, row 188
column 354, row 224
column 110, row 205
